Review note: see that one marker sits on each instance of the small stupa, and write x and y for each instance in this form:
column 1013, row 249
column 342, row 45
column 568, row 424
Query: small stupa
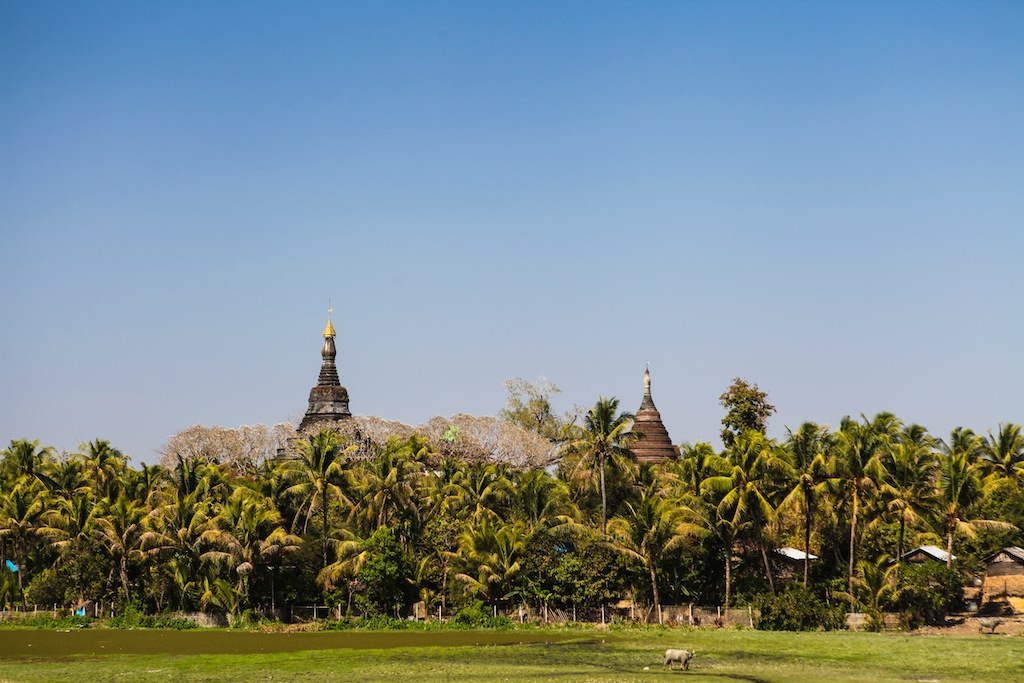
column 655, row 444
column 328, row 400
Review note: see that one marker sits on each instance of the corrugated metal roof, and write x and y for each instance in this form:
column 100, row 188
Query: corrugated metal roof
column 932, row 551
column 794, row 554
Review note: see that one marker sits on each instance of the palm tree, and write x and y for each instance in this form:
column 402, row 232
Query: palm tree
column 24, row 457
column 248, row 532
column 104, row 466
column 1003, row 454
column 386, row 482
column 810, row 452
column 651, row 528
column 602, row 441
column 746, row 493
column 317, row 476
column 492, row 552
column 173, row 534
column 960, row 486
column 25, row 514
column 119, row 529
column 861, row 447
column 908, row 481
column 542, row 501
column 484, row 491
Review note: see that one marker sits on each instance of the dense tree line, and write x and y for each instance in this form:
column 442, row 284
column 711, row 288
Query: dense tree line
column 375, row 524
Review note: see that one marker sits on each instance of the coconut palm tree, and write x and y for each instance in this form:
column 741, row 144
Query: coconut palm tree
column 810, row 453
column 542, row 501
column 24, row 457
column 907, row 485
column 316, row 472
column 386, row 483
column 602, row 441
column 246, row 534
column 959, row 487
column 651, row 528
column 173, row 535
column 25, row 517
column 484, row 491
column 748, row 490
column 119, row 529
column 861, row 446
column 1003, row 454
column 104, row 466
column 492, row 552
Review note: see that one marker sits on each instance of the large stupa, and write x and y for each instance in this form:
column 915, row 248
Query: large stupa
column 655, row 444
column 328, row 400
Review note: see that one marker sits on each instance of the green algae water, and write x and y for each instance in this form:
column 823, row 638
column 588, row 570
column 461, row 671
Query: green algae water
column 48, row 644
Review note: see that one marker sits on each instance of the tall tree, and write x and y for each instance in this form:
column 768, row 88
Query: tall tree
column 748, row 409
column 317, row 476
column 25, row 517
column 602, row 441
column 747, row 493
column 529, row 406
column 861, row 448
column 104, row 466
column 651, row 528
column 810, row 453
column 1003, row 454
column 907, row 484
column 960, row 487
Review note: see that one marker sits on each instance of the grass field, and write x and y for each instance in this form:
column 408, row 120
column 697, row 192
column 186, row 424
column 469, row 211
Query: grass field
column 590, row 655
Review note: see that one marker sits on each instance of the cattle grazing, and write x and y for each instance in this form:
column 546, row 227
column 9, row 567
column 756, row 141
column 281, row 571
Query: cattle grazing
column 681, row 656
column 988, row 623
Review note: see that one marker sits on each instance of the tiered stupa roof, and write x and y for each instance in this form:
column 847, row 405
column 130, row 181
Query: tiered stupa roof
column 328, row 400
column 655, row 444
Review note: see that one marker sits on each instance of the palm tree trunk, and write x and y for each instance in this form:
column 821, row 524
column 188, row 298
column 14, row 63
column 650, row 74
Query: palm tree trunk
column 767, row 565
column 323, row 506
column 654, row 588
column 949, row 545
column 604, row 501
column 807, row 541
column 853, row 536
column 728, row 578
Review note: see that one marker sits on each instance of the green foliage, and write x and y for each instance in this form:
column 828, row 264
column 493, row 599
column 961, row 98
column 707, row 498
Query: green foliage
column 134, row 616
column 748, row 409
column 529, row 406
column 927, row 593
column 479, row 616
column 797, row 608
column 385, row 575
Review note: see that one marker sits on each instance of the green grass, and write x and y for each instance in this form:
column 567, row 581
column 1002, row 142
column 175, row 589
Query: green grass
column 590, row 655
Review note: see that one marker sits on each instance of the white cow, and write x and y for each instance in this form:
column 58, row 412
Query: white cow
column 681, row 656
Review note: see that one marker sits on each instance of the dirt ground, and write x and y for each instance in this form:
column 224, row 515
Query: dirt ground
column 964, row 624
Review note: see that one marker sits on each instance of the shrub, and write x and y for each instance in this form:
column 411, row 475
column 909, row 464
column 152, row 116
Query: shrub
column 797, row 608
column 927, row 593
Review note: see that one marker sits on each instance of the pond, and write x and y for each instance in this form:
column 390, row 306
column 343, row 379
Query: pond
column 17, row 643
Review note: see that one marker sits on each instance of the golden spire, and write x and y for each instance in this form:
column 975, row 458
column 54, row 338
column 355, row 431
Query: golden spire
column 329, row 330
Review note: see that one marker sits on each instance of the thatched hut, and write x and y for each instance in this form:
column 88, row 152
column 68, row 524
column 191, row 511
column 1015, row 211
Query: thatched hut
column 1004, row 577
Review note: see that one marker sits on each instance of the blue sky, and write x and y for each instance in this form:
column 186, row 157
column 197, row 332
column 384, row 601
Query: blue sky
column 824, row 198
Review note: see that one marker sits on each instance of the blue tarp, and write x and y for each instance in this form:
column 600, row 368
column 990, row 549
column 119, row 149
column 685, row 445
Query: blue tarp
column 13, row 567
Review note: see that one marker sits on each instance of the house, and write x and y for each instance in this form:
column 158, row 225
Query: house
column 1004, row 577
column 789, row 562
column 927, row 553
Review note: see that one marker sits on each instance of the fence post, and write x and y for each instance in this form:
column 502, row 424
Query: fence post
column 660, row 619
column 689, row 613
column 602, row 614
column 750, row 615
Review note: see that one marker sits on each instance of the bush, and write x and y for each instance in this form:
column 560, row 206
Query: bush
column 927, row 593
column 475, row 616
column 797, row 608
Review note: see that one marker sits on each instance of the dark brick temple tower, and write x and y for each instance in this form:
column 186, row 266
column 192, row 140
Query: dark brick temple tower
column 655, row 445
column 328, row 400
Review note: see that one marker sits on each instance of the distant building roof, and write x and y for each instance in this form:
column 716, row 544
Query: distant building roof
column 925, row 552
column 1013, row 552
column 794, row 554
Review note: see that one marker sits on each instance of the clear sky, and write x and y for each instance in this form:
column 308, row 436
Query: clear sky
column 826, row 198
